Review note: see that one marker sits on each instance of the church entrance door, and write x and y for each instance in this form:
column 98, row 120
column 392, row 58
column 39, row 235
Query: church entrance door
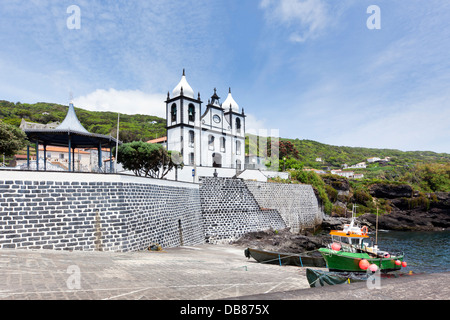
column 217, row 160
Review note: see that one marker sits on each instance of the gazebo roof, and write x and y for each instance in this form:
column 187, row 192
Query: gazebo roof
column 71, row 122
column 71, row 126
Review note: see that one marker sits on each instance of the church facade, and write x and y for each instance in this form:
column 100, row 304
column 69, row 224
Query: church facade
column 214, row 137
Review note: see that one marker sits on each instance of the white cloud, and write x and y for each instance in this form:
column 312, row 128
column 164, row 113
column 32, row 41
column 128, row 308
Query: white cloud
column 305, row 18
column 125, row 101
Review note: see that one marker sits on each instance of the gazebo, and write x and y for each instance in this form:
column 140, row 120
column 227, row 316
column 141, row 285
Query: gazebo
column 71, row 134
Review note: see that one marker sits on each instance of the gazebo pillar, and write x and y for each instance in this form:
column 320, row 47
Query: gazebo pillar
column 100, row 157
column 73, row 159
column 28, row 157
column 110, row 160
column 37, row 155
column 70, row 154
column 45, row 157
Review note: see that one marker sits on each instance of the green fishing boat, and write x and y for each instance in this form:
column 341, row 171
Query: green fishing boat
column 351, row 250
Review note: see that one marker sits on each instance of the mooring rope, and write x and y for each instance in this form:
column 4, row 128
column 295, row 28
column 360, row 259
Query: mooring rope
column 279, row 258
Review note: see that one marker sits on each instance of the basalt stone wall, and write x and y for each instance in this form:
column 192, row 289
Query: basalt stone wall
column 96, row 212
column 296, row 203
column 229, row 210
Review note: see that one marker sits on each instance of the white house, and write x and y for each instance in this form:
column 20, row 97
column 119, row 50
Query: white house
column 347, row 174
column 361, row 165
column 214, row 137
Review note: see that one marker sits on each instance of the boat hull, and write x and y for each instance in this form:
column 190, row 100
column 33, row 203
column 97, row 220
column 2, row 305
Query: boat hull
column 281, row 258
column 349, row 261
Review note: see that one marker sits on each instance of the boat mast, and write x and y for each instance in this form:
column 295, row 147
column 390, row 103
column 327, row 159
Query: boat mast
column 353, row 215
column 376, row 229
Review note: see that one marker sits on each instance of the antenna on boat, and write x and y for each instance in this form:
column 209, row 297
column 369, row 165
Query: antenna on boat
column 354, row 211
column 376, row 229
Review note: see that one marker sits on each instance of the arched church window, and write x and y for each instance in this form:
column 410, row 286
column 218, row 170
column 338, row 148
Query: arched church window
column 211, row 142
column 173, row 111
column 222, row 144
column 191, row 112
column 191, row 138
column 238, row 147
column 238, row 125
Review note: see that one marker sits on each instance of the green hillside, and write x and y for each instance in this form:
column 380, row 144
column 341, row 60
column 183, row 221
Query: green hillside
column 146, row 127
column 132, row 127
column 335, row 156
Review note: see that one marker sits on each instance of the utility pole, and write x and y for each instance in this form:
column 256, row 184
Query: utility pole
column 117, row 142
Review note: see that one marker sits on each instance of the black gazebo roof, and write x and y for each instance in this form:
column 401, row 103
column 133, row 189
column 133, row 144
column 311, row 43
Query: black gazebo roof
column 70, row 127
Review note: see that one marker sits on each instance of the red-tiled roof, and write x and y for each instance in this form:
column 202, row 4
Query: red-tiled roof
column 158, row 140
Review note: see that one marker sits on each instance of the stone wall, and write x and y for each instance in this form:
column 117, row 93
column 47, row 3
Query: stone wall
column 296, row 203
column 79, row 212
column 229, row 210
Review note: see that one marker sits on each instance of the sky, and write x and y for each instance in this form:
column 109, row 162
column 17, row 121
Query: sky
column 340, row 72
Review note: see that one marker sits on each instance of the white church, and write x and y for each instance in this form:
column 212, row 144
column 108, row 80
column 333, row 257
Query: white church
column 214, row 137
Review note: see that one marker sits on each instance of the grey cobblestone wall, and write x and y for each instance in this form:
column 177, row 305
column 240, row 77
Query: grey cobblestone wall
column 123, row 213
column 229, row 210
column 90, row 215
column 296, row 203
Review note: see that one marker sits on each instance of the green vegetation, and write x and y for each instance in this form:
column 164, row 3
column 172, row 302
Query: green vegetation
column 429, row 177
column 425, row 171
column 132, row 127
column 147, row 159
column 335, row 156
column 12, row 139
column 309, row 177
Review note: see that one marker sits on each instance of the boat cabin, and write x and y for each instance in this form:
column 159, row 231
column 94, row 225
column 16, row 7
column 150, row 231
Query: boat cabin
column 349, row 239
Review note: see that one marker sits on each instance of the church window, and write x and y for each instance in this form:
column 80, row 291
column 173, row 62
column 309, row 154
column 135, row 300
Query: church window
column 222, row 144
column 191, row 138
column 238, row 125
column 191, row 112
column 191, row 158
column 211, row 142
column 238, row 147
column 174, row 112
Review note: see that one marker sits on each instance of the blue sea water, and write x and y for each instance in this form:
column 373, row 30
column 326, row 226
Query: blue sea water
column 425, row 252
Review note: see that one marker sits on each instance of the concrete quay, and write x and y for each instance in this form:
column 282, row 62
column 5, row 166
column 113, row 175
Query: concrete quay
column 204, row 272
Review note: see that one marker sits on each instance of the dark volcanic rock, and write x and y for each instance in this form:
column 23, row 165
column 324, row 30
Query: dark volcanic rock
column 339, row 184
column 391, row 191
column 412, row 220
column 281, row 241
column 334, row 223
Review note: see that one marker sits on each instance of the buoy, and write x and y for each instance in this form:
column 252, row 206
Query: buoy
column 373, row 267
column 398, row 262
column 404, row 264
column 336, row 246
column 364, row 230
column 364, row 264
column 387, row 255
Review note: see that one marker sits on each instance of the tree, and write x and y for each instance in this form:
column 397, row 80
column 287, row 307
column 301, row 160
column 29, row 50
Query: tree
column 12, row 139
column 147, row 159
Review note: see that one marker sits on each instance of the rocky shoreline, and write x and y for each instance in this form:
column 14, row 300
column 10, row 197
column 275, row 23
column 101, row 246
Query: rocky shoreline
column 409, row 210
column 288, row 242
